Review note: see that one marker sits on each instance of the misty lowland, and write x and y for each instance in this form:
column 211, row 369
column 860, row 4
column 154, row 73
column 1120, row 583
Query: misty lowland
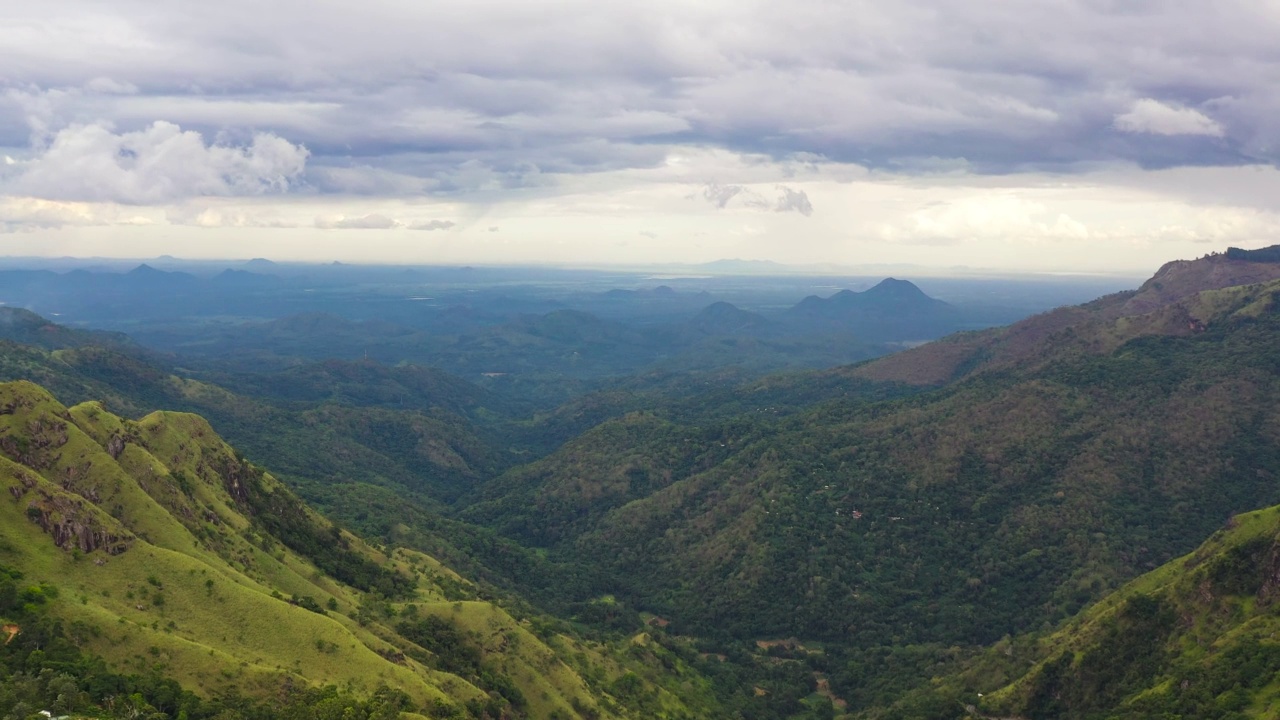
column 287, row 490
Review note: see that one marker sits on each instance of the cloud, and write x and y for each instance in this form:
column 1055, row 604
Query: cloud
column 28, row 214
column 789, row 200
column 723, row 195
column 720, row 195
column 1157, row 118
column 223, row 217
column 107, row 86
column 365, row 180
column 408, row 90
column 160, row 163
column 432, row 225
column 987, row 216
column 373, row 221
column 491, row 107
column 793, row 201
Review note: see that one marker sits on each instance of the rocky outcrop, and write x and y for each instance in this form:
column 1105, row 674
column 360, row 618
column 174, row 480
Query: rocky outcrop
column 25, row 483
column 115, row 446
column 235, row 475
column 1269, row 592
column 74, row 525
column 36, row 448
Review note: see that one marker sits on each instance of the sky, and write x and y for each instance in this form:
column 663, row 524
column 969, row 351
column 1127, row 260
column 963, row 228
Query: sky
column 1041, row 135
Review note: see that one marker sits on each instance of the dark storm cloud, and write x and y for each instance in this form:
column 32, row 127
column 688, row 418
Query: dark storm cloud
column 407, row 97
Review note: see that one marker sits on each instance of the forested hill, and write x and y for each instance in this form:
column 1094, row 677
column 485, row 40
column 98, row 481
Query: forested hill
column 1195, row 638
column 1001, row 502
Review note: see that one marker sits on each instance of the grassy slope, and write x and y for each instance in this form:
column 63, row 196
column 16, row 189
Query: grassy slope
column 233, row 625
column 200, row 592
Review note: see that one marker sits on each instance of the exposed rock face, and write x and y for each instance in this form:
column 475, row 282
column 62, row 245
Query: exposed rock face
column 234, row 477
column 25, row 483
column 1269, row 592
column 37, row 447
column 115, row 446
column 74, row 526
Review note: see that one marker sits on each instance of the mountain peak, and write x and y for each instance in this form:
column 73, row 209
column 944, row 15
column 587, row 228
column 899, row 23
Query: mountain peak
column 888, row 294
column 896, row 289
column 894, row 283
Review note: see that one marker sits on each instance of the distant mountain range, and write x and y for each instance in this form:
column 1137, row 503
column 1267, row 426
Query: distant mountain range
column 744, row 267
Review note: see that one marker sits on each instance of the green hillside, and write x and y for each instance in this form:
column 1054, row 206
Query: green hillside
column 153, row 546
column 422, row 447
column 915, row 527
column 1196, row 638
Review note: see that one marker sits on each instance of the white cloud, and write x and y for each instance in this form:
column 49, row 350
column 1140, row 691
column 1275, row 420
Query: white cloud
column 29, row 214
column 373, row 221
column 984, row 217
column 226, row 217
column 432, row 225
column 157, row 164
column 1157, row 118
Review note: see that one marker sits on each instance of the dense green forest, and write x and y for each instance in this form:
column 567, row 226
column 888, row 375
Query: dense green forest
column 1195, row 638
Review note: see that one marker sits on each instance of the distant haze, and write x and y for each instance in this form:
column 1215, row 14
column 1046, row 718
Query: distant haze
column 1045, row 136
